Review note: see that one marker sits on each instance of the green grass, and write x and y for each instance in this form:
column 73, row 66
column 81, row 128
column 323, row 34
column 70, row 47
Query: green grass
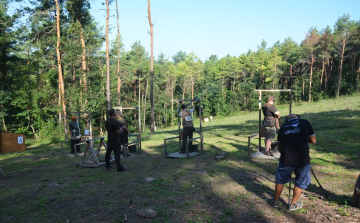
column 43, row 186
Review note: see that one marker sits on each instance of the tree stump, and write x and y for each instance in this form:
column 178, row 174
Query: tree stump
column 356, row 198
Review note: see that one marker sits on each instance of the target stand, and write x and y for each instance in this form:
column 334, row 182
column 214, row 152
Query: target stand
column 92, row 156
column 261, row 131
column 188, row 154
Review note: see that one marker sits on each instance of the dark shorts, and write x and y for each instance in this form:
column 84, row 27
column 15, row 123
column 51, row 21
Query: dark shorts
column 302, row 175
column 124, row 139
column 270, row 133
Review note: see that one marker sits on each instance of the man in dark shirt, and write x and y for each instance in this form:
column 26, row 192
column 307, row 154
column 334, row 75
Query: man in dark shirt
column 293, row 138
column 188, row 127
column 75, row 134
column 270, row 113
column 113, row 128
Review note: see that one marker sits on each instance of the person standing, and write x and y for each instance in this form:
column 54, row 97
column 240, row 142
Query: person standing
column 270, row 113
column 293, row 138
column 124, row 136
column 113, row 140
column 188, row 127
column 75, row 134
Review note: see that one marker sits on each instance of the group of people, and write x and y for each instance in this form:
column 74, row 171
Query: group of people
column 292, row 142
column 118, row 133
column 293, row 138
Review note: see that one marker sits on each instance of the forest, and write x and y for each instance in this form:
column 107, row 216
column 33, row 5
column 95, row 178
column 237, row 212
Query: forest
column 52, row 62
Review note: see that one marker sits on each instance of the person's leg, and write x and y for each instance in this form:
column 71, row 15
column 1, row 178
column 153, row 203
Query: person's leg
column 191, row 131
column 302, row 180
column 270, row 136
column 78, row 146
column 282, row 177
column 267, row 145
column 117, row 159
column 185, row 136
column 72, row 146
column 296, row 194
column 278, row 190
column 117, row 156
column 107, row 155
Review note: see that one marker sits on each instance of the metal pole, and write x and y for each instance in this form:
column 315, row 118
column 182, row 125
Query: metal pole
column 289, row 191
column 326, row 196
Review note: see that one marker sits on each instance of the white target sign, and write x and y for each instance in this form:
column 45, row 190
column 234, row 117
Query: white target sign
column 20, row 140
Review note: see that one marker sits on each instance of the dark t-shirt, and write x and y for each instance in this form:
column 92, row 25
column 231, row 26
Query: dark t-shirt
column 294, row 137
column 72, row 126
column 111, row 126
column 269, row 110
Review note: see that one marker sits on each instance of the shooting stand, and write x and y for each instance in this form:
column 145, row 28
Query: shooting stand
column 138, row 136
column 180, row 136
column 83, row 137
column 261, row 133
column 91, row 155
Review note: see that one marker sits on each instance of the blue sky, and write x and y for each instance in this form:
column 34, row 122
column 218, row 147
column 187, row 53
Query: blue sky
column 223, row 27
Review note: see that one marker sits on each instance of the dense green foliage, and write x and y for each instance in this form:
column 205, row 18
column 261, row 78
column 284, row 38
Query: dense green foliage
column 325, row 64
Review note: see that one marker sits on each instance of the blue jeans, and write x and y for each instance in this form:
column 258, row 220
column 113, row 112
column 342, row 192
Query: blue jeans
column 302, row 175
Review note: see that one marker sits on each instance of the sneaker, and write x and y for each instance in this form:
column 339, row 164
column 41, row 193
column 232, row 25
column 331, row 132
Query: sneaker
column 274, row 203
column 297, row 205
column 268, row 153
column 122, row 169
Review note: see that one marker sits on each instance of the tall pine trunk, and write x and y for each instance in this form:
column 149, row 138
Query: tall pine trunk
column 341, row 64
column 107, row 56
column 358, row 78
column 322, row 74
column 118, row 55
column 61, row 78
column 146, row 90
column 151, row 69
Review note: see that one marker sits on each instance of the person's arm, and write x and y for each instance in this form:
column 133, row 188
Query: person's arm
column 279, row 146
column 277, row 113
column 192, row 109
column 126, row 129
column 71, row 128
column 312, row 139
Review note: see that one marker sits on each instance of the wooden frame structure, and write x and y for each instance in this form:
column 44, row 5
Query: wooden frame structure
column 91, row 155
column 82, row 136
column 78, row 115
column 260, row 120
column 138, row 141
column 201, row 136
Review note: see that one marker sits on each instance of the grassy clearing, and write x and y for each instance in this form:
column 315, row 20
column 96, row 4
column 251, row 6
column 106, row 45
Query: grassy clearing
column 43, row 186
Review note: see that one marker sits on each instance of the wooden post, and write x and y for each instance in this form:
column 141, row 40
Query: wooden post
column 290, row 100
column 179, row 125
column 201, row 133
column 259, row 120
column 90, row 125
